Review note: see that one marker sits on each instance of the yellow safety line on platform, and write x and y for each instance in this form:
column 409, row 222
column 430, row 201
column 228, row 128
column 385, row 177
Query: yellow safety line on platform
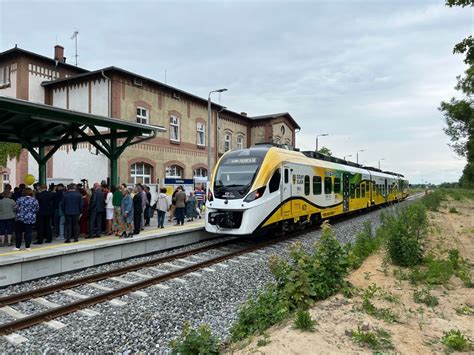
column 87, row 241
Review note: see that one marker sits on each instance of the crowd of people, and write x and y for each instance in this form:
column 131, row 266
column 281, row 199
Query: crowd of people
column 68, row 212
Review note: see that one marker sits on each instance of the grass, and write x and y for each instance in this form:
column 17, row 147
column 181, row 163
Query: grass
column 378, row 339
column 368, row 307
column 464, row 310
column 453, row 210
column 455, row 340
column 303, row 321
column 424, row 296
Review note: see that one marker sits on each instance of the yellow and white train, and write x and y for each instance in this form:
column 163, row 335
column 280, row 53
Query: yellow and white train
column 267, row 186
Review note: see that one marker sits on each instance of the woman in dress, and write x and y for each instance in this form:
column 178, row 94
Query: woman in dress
column 109, row 210
column 191, row 205
column 84, row 220
column 118, row 226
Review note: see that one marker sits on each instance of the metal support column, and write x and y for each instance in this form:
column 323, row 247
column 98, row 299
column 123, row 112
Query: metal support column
column 42, row 166
column 113, row 158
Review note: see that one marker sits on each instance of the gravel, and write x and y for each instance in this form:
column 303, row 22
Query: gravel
column 148, row 324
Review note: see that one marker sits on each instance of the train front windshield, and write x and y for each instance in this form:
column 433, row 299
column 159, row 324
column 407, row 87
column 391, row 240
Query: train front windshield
column 235, row 176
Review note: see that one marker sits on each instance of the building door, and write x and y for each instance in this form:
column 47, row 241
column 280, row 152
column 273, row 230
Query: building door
column 286, row 193
column 386, row 190
column 345, row 192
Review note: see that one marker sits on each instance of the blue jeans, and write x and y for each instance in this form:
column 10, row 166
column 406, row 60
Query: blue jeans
column 59, row 222
column 161, row 218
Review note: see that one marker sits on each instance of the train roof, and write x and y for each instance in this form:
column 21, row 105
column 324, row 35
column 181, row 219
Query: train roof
column 327, row 158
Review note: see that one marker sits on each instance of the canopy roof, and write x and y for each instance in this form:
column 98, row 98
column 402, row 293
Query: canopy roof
column 43, row 125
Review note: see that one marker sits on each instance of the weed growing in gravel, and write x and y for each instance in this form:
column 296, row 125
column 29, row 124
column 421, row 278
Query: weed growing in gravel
column 404, row 233
column 309, row 277
column 365, row 244
column 303, row 321
column 260, row 313
column 195, row 341
column 465, row 310
column 455, row 340
column 378, row 339
column 424, row 296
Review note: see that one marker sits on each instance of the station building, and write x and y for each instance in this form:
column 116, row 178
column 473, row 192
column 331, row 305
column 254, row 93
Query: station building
column 178, row 155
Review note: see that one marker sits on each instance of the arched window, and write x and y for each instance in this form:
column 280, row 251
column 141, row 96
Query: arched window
column 174, row 172
column 141, row 173
column 240, row 142
column 200, row 172
column 227, row 141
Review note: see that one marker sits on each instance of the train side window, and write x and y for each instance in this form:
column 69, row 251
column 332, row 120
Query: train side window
column 362, row 189
column 358, row 192
column 327, row 185
column 287, row 178
column 317, row 185
column 306, row 185
column 337, row 185
column 274, row 183
column 352, row 190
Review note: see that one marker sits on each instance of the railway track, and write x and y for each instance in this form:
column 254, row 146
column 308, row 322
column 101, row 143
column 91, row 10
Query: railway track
column 81, row 303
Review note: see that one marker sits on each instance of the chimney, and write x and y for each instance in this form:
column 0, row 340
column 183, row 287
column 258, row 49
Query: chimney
column 59, row 53
column 244, row 114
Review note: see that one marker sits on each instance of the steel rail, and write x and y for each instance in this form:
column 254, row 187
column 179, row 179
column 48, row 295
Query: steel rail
column 47, row 315
column 46, row 290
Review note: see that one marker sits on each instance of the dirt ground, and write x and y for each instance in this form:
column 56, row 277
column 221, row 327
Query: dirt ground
column 419, row 328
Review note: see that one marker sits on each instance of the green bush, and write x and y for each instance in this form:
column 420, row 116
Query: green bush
column 404, row 232
column 375, row 340
column 308, row 277
column 303, row 321
column 453, row 210
column 365, row 244
column 259, row 313
column 424, row 296
column 195, row 341
column 455, row 340
column 432, row 201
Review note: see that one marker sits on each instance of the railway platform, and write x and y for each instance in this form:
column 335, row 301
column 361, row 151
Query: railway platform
column 58, row 257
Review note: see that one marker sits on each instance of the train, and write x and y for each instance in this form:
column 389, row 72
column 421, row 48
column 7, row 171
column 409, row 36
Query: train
column 273, row 187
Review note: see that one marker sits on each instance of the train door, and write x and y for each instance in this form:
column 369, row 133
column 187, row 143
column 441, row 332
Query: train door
column 386, row 190
column 345, row 192
column 286, row 193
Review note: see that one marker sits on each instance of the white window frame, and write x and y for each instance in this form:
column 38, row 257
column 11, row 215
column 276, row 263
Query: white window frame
column 174, row 123
column 172, row 172
column 143, row 115
column 200, row 134
column 5, row 75
column 227, row 141
column 135, row 175
column 240, row 142
column 200, row 172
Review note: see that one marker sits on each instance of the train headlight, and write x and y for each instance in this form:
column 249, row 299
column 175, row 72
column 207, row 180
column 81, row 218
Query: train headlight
column 254, row 195
column 210, row 196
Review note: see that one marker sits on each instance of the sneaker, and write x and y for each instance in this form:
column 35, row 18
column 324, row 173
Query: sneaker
column 16, row 249
column 27, row 249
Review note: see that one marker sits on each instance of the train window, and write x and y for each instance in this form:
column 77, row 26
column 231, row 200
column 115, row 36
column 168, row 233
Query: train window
column 358, row 192
column 317, row 185
column 352, row 190
column 306, row 185
column 286, row 176
column 337, row 185
column 327, row 185
column 274, row 183
column 362, row 190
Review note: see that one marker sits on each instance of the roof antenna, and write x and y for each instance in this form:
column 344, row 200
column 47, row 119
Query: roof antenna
column 74, row 36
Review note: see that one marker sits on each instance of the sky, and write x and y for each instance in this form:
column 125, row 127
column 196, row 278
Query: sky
column 370, row 74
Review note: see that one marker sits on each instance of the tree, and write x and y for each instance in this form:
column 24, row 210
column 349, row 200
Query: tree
column 325, row 151
column 459, row 113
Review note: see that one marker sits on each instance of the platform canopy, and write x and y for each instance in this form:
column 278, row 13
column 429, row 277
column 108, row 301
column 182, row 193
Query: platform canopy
column 37, row 126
